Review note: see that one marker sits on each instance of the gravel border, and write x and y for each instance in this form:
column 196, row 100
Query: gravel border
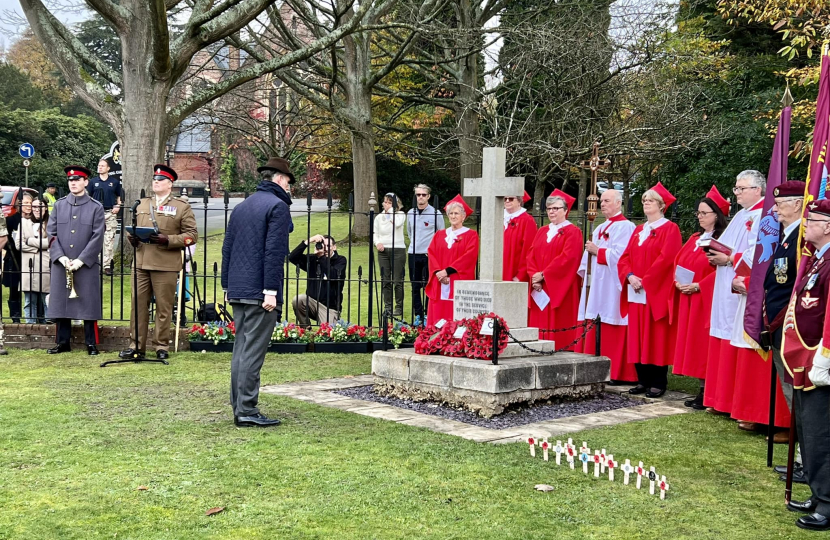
column 513, row 417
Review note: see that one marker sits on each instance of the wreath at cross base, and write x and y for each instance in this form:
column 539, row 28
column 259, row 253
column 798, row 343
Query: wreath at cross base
column 481, row 346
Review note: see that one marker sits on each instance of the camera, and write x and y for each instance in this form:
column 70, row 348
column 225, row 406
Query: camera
column 319, row 246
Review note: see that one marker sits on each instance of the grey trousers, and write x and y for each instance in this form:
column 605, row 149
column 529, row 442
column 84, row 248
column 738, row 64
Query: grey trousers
column 307, row 308
column 392, row 264
column 254, row 326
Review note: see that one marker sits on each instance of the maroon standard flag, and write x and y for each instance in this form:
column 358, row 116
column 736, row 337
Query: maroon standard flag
column 768, row 232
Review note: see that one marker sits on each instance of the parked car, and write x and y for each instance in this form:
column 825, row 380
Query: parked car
column 602, row 186
column 11, row 198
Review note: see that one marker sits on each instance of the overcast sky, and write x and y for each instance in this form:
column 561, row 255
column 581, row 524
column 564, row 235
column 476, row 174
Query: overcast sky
column 11, row 18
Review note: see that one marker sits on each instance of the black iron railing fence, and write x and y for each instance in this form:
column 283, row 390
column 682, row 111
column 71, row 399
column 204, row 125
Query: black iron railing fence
column 362, row 282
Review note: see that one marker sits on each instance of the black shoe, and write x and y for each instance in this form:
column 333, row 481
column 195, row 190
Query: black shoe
column 161, row 354
column 807, row 506
column 59, row 348
column 108, row 271
column 639, row 389
column 257, row 420
column 130, row 353
column 652, row 394
column 782, row 469
column 696, row 401
column 798, row 477
column 92, row 350
column 613, row 382
column 814, row 522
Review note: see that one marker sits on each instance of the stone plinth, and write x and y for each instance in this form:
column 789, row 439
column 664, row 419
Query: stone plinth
column 507, row 299
column 487, row 389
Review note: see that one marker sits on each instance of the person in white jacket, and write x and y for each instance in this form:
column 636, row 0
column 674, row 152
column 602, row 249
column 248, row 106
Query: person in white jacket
column 389, row 241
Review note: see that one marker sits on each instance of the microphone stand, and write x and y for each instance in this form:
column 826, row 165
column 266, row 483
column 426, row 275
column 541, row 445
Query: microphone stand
column 137, row 356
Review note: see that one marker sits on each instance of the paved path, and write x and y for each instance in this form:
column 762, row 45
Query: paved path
column 320, row 392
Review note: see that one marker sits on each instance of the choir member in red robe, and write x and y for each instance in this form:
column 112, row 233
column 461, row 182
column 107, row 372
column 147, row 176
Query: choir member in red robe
column 519, row 230
column 647, row 266
column 452, row 254
column 692, row 302
column 552, row 264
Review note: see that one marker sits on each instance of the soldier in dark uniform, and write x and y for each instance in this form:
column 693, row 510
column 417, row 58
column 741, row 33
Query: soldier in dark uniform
column 157, row 264
column 778, row 287
column 76, row 230
column 807, row 360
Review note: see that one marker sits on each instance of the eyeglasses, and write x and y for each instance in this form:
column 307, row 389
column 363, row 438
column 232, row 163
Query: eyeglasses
column 817, row 220
column 549, row 208
column 509, row 199
column 422, row 194
column 702, row 214
column 737, row 190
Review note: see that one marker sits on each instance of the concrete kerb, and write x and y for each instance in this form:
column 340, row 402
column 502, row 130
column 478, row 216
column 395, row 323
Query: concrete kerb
column 320, row 392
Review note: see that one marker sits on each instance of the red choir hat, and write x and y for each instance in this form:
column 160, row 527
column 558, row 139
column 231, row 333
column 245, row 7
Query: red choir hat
column 568, row 199
column 163, row 172
column 820, row 207
column 525, row 198
column 718, row 199
column 668, row 198
column 460, row 200
column 76, row 171
column 790, row 188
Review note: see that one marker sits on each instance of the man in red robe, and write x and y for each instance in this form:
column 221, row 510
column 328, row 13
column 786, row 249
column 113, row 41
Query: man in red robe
column 552, row 264
column 519, row 230
column 452, row 256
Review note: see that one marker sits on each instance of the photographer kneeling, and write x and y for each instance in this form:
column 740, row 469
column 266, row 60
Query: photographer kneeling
column 326, row 275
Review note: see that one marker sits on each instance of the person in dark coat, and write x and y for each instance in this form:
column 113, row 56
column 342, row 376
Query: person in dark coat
column 76, row 231
column 255, row 247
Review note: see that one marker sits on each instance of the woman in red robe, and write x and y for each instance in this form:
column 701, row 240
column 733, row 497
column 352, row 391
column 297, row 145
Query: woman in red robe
column 551, row 265
column 452, row 256
column 519, row 230
column 692, row 303
column 647, row 265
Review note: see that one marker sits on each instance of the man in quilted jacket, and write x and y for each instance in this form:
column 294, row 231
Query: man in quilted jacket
column 255, row 247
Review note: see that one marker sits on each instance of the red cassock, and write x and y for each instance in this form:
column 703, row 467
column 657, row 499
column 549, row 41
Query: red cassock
column 558, row 260
column 650, row 336
column 750, row 402
column 518, row 236
column 690, row 313
column 462, row 256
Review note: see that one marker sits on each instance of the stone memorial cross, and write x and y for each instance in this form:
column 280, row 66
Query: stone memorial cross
column 493, row 187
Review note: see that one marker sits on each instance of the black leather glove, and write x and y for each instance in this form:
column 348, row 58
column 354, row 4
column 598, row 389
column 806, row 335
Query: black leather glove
column 160, row 239
column 134, row 241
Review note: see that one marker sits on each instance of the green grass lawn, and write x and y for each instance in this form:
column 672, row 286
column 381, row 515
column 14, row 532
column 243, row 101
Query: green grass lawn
column 77, row 441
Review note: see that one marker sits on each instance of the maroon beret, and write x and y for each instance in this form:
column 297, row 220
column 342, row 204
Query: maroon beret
column 820, row 207
column 790, row 188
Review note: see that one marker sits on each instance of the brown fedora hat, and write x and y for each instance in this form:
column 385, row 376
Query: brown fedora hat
column 279, row 165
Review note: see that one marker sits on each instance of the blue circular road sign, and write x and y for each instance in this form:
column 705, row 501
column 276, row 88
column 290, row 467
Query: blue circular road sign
column 26, row 150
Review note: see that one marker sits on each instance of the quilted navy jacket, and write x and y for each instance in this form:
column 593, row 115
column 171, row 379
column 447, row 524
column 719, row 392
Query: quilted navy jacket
column 256, row 244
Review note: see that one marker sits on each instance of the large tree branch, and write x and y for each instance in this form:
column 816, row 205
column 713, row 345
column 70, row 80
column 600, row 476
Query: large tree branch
column 202, row 30
column 82, row 52
column 116, row 15
column 199, row 99
column 70, row 65
column 160, row 68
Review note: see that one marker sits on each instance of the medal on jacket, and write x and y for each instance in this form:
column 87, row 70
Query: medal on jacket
column 780, row 269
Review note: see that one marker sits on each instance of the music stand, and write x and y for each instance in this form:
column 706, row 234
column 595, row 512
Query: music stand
column 137, row 356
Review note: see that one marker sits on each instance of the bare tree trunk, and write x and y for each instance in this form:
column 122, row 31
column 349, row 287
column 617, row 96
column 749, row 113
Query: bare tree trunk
column 469, row 159
column 365, row 178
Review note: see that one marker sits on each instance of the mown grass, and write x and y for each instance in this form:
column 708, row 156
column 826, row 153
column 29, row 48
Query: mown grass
column 77, row 441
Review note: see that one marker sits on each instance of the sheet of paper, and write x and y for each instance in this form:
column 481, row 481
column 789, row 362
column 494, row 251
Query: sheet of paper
column 459, row 332
column 445, row 291
column 635, row 297
column 440, row 324
column 541, row 298
column 684, row 276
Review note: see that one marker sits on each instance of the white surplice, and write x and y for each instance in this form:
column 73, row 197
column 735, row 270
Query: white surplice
column 605, row 287
column 728, row 307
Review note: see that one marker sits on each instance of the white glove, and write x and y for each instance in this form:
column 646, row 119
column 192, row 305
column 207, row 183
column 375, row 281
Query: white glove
column 820, row 372
column 64, row 261
column 76, row 264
